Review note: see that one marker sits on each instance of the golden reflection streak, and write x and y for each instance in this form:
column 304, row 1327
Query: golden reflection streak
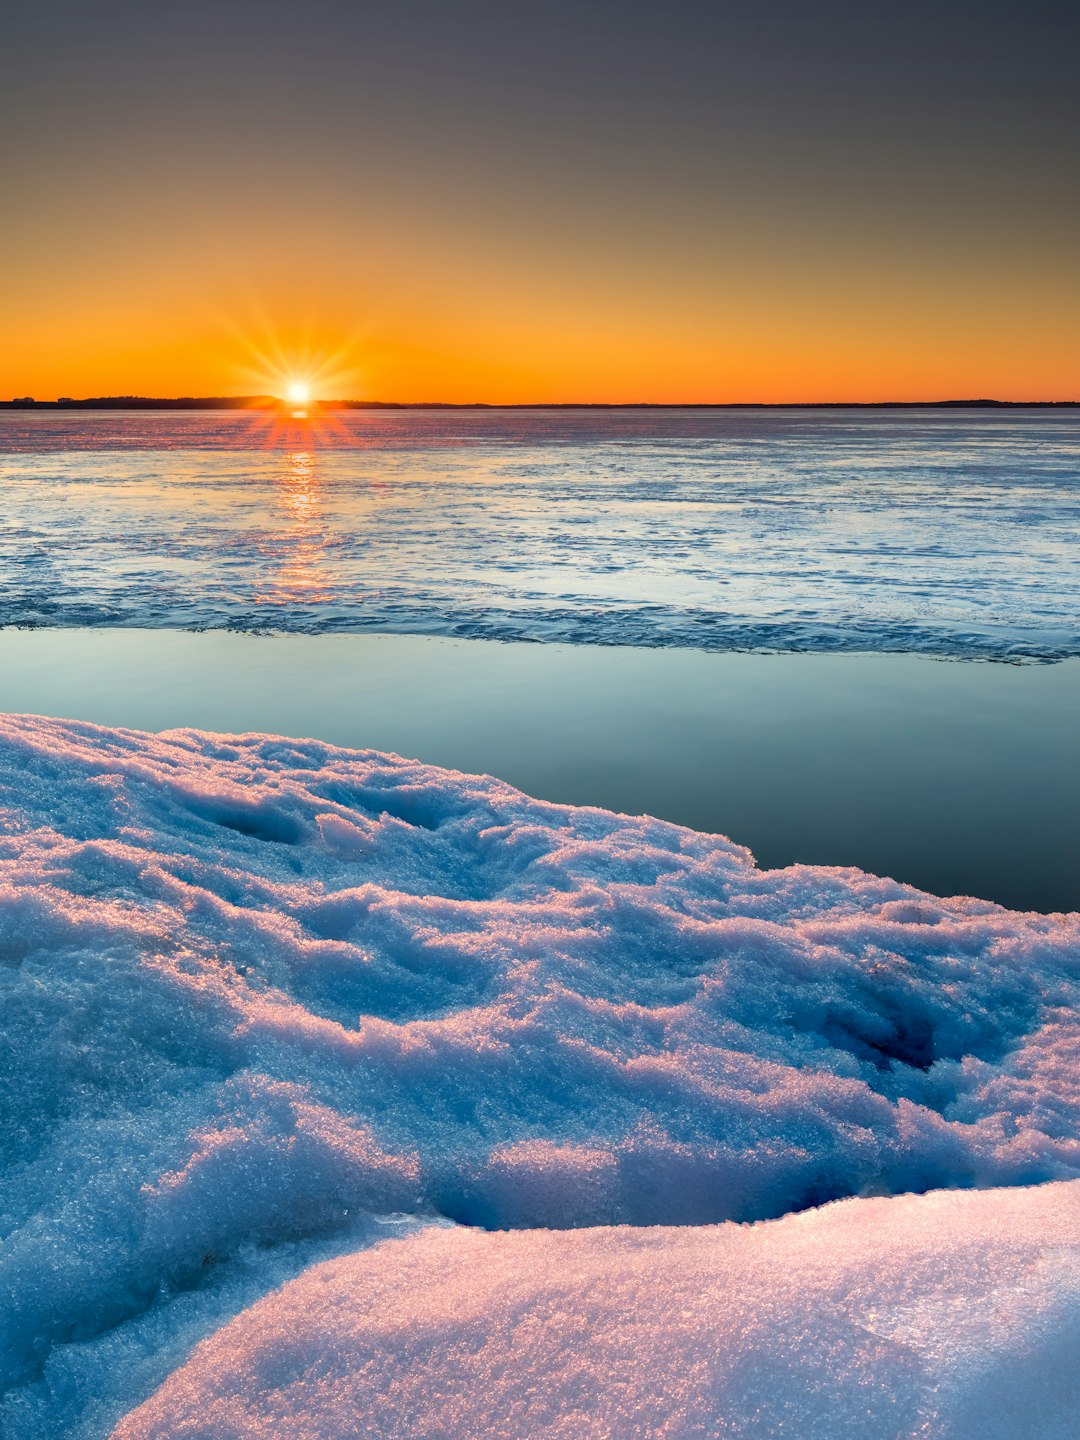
column 300, row 548
column 285, row 427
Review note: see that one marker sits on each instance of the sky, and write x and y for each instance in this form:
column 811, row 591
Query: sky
column 602, row 200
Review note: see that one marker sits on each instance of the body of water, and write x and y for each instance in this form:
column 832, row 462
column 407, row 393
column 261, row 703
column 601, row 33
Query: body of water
column 936, row 532
column 632, row 542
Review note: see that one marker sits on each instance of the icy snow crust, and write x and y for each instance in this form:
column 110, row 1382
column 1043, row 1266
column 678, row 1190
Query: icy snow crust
column 260, row 992
column 944, row 1315
column 945, row 533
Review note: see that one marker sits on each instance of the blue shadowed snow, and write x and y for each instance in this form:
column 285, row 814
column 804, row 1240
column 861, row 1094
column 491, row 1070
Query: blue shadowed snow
column 258, row 992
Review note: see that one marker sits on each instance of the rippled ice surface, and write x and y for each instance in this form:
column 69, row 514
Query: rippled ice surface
column 942, row 532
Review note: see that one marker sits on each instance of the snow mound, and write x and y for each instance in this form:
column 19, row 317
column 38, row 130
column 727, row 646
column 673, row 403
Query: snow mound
column 945, row 1315
column 254, row 991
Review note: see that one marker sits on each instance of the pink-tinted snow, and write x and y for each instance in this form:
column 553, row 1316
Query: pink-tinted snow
column 257, row 991
column 950, row 1316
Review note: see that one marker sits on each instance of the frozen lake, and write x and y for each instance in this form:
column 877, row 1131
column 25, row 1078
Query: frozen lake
column 937, row 532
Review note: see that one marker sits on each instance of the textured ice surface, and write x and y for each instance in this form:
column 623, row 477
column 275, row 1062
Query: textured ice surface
column 946, row 1315
column 948, row 533
column 257, row 991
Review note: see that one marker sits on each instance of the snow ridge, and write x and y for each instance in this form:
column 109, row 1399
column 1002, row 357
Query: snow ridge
column 259, row 992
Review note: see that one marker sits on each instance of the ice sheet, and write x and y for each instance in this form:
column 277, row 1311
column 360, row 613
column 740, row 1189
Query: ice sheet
column 939, row 532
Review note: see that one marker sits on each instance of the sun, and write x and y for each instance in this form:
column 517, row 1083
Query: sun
column 298, row 392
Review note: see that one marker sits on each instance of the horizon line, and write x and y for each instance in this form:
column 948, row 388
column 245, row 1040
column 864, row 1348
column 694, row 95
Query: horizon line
column 254, row 402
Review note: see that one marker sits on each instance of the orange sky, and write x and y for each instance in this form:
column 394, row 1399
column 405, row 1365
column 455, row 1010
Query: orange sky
column 700, row 226
column 749, row 328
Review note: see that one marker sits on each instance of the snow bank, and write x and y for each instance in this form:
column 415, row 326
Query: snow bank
column 258, row 990
column 945, row 1315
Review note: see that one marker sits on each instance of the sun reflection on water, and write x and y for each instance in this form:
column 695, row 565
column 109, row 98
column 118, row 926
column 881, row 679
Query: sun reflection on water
column 299, row 550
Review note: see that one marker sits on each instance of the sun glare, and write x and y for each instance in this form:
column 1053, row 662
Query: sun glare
column 298, row 392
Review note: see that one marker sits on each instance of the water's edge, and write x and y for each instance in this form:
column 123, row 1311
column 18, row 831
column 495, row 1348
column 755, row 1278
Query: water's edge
column 956, row 777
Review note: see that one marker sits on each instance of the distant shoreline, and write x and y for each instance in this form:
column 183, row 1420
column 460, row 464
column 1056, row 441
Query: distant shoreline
column 268, row 402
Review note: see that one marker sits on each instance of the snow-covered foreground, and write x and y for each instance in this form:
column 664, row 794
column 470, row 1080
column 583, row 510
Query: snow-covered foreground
column 951, row 1314
column 260, row 996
